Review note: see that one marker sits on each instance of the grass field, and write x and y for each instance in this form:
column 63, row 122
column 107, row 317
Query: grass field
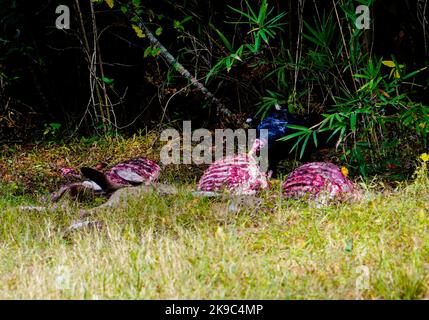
column 182, row 247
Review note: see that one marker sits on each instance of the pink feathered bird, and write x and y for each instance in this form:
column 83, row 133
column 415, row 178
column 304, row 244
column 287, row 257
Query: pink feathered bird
column 239, row 174
column 316, row 178
column 127, row 173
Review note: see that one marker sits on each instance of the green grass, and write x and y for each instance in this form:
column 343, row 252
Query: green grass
column 182, row 247
column 179, row 246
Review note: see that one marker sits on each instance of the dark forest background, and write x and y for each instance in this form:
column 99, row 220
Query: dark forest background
column 366, row 88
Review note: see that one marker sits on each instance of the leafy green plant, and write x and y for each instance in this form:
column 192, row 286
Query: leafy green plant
column 273, row 100
column 362, row 119
column 226, row 63
column 178, row 25
column 262, row 25
column 52, row 132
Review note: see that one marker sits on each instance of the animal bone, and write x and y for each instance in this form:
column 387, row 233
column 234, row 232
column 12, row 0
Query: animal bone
column 79, row 225
column 120, row 197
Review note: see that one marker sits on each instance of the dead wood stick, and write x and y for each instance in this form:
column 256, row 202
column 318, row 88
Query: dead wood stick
column 176, row 65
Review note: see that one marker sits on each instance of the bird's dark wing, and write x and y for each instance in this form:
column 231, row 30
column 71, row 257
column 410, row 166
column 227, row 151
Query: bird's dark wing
column 96, row 176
